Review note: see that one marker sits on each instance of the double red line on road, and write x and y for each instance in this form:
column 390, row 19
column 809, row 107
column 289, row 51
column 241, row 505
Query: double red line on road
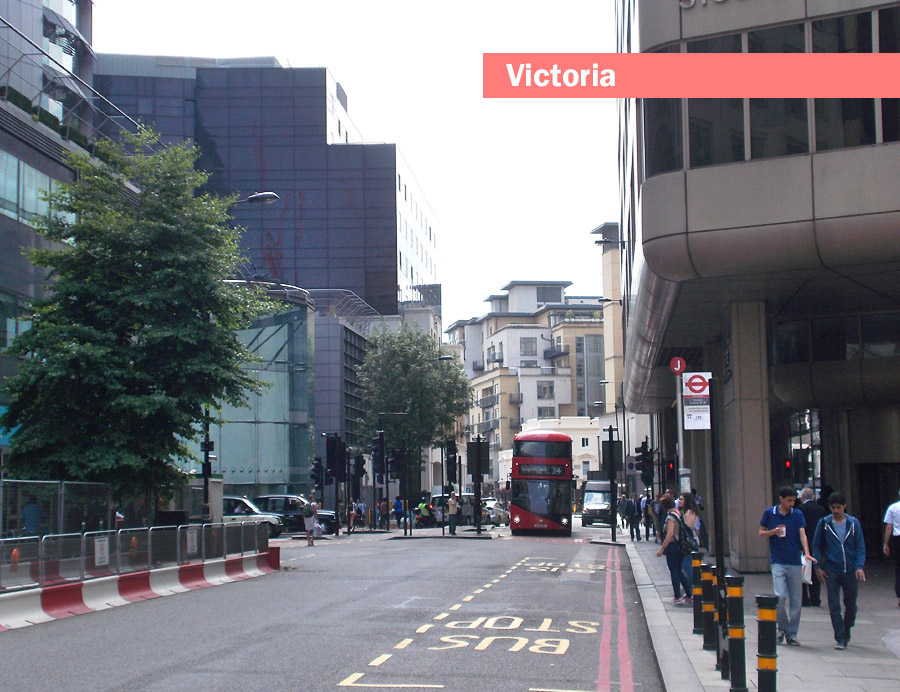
column 623, row 654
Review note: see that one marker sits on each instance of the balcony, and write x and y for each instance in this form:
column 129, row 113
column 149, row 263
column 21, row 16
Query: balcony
column 516, row 398
column 495, row 357
column 478, row 366
column 487, row 425
column 489, row 401
column 556, row 352
column 515, row 423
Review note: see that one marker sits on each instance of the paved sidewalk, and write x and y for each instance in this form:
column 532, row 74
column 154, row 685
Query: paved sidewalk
column 870, row 664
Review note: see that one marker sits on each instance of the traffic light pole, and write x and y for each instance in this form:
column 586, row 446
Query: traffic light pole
column 614, row 490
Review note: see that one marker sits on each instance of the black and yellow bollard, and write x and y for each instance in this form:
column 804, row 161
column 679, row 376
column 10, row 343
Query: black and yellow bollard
column 736, row 634
column 766, row 655
column 709, row 608
column 697, row 592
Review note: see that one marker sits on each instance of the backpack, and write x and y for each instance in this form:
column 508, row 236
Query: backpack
column 687, row 540
column 307, row 511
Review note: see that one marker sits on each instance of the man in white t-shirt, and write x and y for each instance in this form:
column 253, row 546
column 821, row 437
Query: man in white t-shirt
column 892, row 540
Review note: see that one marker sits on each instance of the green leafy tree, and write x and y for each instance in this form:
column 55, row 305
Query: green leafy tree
column 402, row 373
column 138, row 340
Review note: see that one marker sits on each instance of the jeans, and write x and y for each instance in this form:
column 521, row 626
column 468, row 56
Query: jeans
column 453, row 522
column 687, row 566
column 836, row 582
column 675, row 562
column 787, row 581
column 895, row 553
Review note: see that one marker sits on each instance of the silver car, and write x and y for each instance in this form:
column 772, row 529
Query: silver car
column 499, row 515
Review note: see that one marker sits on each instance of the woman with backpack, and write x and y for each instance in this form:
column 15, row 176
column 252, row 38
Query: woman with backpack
column 671, row 548
column 690, row 513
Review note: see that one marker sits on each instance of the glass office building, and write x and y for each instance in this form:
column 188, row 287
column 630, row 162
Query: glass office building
column 351, row 215
column 761, row 242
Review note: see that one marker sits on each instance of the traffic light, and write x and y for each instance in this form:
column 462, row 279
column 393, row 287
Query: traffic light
column 359, row 466
column 378, row 452
column 451, row 461
column 318, row 473
column 340, row 468
column 645, row 462
column 395, row 463
column 330, row 458
column 670, row 472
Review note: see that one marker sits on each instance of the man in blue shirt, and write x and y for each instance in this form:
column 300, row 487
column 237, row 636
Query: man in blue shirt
column 784, row 527
column 840, row 552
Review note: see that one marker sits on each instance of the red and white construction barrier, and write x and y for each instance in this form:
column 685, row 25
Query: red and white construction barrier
column 31, row 606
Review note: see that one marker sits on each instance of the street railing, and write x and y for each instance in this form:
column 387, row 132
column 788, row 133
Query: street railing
column 38, row 561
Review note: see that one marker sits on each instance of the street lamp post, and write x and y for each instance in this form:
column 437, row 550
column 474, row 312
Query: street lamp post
column 208, row 445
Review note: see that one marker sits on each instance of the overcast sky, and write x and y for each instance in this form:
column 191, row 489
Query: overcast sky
column 516, row 184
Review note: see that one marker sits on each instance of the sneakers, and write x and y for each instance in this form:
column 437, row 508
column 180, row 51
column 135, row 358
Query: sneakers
column 780, row 637
column 840, row 646
column 677, row 601
column 794, row 642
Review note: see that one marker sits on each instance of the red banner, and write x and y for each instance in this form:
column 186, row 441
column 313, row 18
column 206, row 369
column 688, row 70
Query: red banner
column 691, row 75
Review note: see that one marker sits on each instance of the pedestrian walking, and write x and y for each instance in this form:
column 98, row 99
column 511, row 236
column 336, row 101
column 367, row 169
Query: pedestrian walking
column 812, row 513
column 690, row 513
column 656, row 509
column 622, row 509
column 840, row 553
column 671, row 549
column 398, row 510
column 453, row 512
column 310, row 519
column 384, row 514
column 647, row 514
column 892, row 541
column 783, row 525
column 633, row 514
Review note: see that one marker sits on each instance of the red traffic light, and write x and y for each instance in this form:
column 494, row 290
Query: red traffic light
column 787, row 463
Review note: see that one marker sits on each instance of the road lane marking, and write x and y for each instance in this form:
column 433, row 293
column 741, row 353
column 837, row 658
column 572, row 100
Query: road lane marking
column 478, row 591
column 468, row 598
column 442, row 616
column 351, row 681
column 402, row 644
column 381, row 659
column 456, row 607
column 424, row 628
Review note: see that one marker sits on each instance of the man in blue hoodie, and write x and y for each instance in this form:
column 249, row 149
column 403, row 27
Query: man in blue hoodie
column 840, row 553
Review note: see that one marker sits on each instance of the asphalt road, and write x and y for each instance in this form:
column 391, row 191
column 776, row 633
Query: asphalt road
column 523, row 614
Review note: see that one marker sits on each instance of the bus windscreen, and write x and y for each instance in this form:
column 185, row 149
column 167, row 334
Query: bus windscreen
column 540, row 449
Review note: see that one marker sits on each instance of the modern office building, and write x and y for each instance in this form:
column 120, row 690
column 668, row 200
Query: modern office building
column 47, row 108
column 351, row 215
column 761, row 243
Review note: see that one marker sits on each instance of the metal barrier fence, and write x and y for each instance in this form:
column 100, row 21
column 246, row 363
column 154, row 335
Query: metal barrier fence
column 35, row 561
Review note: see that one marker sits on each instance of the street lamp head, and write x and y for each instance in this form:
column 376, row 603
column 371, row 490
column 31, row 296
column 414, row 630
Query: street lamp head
column 260, row 198
column 598, row 403
column 444, row 357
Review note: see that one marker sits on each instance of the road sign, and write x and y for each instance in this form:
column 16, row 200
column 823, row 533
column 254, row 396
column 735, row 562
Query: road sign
column 677, row 365
column 695, row 396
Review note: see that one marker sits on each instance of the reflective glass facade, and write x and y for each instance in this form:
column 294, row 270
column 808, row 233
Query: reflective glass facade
column 350, row 214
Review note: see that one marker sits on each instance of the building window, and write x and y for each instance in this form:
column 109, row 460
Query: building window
column 528, row 346
column 546, row 412
column 545, row 389
column 778, row 127
column 881, row 336
column 791, row 343
column 549, row 294
column 889, row 42
column 716, row 131
column 835, row 338
column 9, row 184
column 663, row 151
column 585, row 442
column 844, row 122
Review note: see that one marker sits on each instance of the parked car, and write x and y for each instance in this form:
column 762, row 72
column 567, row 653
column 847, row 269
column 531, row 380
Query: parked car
column 497, row 512
column 290, row 509
column 241, row 509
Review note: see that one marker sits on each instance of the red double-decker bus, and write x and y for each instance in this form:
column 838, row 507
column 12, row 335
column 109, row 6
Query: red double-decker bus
column 541, row 483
